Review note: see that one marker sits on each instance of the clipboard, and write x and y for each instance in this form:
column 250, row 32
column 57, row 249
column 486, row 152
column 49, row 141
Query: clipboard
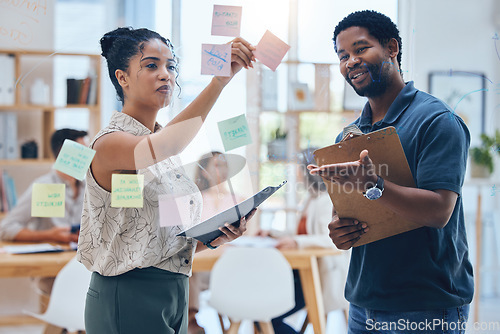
column 390, row 162
column 208, row 230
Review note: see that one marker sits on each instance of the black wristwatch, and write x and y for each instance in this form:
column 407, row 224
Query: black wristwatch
column 376, row 191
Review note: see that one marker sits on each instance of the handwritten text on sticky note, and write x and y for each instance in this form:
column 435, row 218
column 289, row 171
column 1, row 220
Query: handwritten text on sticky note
column 74, row 159
column 271, row 50
column 126, row 190
column 226, row 20
column 234, row 132
column 216, row 59
column 48, row 199
column 174, row 210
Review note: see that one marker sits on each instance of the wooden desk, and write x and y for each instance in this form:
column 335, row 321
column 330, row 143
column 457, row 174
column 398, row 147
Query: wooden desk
column 32, row 265
column 305, row 261
column 29, row 265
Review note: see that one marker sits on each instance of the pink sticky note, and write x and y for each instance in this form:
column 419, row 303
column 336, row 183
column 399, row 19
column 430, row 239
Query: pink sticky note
column 226, row 20
column 271, row 50
column 216, row 59
column 174, row 210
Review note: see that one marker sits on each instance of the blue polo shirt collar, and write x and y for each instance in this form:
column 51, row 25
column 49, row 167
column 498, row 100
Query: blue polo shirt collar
column 400, row 104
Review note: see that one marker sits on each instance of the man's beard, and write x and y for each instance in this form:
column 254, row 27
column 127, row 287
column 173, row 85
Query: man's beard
column 379, row 80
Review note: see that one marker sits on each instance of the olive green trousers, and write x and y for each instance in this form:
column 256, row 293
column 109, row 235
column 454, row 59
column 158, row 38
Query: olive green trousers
column 141, row 301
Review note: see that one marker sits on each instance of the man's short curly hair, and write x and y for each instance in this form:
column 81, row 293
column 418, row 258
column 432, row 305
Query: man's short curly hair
column 378, row 25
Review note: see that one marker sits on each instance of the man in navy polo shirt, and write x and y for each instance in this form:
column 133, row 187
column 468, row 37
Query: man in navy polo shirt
column 419, row 281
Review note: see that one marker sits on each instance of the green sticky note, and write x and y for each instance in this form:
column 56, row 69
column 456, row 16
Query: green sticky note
column 74, row 159
column 234, row 132
column 126, row 190
column 47, row 200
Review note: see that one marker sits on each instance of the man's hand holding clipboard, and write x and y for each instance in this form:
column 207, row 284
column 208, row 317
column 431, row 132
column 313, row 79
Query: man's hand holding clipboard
column 345, row 232
column 354, row 171
column 361, row 172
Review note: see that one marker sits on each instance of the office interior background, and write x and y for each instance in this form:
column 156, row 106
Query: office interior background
column 453, row 43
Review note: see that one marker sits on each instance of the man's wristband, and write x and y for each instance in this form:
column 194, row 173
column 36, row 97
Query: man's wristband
column 209, row 245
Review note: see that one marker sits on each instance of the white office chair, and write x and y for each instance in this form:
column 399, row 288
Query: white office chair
column 67, row 299
column 251, row 284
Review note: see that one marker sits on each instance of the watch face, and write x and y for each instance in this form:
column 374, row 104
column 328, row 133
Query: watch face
column 373, row 193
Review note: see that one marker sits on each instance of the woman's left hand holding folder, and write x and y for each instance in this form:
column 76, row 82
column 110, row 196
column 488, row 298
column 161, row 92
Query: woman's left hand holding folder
column 230, row 232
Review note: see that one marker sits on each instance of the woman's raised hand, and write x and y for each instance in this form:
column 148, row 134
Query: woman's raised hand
column 241, row 56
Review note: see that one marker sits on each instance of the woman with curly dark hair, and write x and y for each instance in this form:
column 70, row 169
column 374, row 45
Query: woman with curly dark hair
column 141, row 268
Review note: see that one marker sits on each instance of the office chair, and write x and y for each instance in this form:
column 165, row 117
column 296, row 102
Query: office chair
column 67, row 299
column 251, row 284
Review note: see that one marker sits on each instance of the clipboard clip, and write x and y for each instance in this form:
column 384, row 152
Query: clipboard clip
column 350, row 135
column 282, row 183
column 272, row 189
column 351, row 131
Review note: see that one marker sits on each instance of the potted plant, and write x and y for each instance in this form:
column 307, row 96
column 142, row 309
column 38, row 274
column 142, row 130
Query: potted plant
column 276, row 148
column 482, row 156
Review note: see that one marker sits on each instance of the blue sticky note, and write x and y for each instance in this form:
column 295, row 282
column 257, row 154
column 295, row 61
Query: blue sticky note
column 74, row 159
column 234, row 132
column 216, row 59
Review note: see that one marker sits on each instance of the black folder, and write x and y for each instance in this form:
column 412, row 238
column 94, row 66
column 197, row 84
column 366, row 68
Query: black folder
column 208, row 230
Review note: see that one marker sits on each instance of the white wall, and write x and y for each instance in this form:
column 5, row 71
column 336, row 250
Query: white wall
column 25, row 25
column 439, row 35
column 444, row 35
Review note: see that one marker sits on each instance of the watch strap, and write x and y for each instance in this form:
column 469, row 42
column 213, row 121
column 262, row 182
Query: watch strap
column 380, row 183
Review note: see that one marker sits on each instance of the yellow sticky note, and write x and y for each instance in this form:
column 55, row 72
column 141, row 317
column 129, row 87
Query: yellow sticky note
column 126, row 191
column 47, row 200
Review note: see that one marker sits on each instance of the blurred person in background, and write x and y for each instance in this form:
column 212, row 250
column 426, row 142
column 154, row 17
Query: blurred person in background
column 20, row 226
column 211, row 177
column 312, row 232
